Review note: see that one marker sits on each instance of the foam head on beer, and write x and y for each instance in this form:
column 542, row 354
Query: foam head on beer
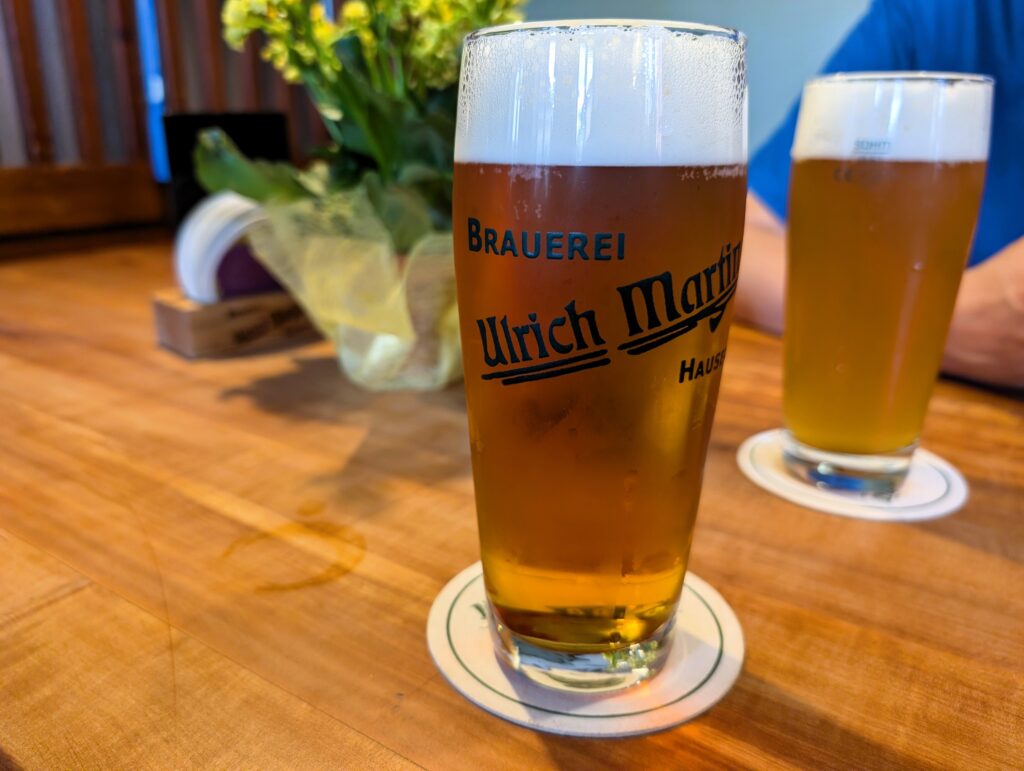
column 895, row 116
column 669, row 106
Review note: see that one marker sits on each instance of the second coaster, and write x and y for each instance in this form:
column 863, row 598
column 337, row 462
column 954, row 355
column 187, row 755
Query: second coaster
column 933, row 487
column 704, row 662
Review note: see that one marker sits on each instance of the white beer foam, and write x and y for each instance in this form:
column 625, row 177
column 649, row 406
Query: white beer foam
column 609, row 94
column 913, row 119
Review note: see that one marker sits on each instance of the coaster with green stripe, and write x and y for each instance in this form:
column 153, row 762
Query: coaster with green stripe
column 933, row 488
column 704, row 662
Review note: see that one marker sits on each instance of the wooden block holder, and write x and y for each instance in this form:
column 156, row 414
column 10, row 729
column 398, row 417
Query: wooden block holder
column 240, row 325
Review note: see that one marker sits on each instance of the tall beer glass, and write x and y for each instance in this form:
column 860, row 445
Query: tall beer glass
column 888, row 170
column 600, row 183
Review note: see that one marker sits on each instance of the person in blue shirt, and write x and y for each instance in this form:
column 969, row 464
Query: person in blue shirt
column 986, row 340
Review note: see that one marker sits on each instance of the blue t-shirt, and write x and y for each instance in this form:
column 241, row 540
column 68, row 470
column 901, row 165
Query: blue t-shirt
column 984, row 37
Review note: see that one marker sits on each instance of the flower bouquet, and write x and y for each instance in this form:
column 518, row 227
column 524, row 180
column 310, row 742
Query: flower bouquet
column 362, row 237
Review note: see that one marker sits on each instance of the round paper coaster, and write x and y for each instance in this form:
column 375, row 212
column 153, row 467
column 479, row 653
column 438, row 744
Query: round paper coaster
column 933, row 487
column 703, row 663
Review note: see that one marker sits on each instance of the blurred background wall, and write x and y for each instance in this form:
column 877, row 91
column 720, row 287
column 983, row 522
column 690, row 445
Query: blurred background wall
column 84, row 86
column 788, row 39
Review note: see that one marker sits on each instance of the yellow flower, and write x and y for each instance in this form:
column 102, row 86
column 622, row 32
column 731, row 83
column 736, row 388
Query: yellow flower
column 355, row 12
column 324, row 34
column 421, row 38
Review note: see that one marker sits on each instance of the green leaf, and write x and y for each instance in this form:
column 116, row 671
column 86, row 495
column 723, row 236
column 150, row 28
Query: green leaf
column 422, row 143
column 353, row 140
column 404, row 212
column 350, row 53
column 316, row 180
column 220, row 166
column 420, row 173
column 346, row 167
column 434, row 186
column 376, row 124
column 443, row 102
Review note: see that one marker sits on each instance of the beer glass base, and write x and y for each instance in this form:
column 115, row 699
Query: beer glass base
column 879, row 475
column 575, row 672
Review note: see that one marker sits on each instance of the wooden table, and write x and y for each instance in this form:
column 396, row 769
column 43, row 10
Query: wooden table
column 229, row 564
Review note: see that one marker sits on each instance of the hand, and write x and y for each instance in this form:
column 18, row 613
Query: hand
column 986, row 338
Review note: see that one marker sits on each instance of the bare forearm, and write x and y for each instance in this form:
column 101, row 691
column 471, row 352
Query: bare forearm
column 760, row 296
column 986, row 337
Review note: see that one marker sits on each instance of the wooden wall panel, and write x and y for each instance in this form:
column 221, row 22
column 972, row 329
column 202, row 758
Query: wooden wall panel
column 12, row 135
column 75, row 29
column 121, row 20
column 212, row 52
column 170, row 56
column 58, row 81
column 28, row 74
column 74, row 113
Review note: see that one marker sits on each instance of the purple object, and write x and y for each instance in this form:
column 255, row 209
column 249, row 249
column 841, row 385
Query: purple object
column 240, row 274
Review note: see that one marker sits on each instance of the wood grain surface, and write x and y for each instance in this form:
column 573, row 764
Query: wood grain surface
column 229, row 564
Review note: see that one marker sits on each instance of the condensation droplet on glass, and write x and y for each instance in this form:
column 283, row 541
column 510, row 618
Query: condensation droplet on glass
column 919, row 266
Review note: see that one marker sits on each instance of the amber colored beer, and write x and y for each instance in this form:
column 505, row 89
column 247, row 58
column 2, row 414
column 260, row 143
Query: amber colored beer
column 598, row 202
column 587, row 482
column 877, row 249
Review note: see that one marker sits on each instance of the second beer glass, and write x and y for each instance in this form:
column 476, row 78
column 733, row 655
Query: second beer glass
column 599, row 196
column 888, row 170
